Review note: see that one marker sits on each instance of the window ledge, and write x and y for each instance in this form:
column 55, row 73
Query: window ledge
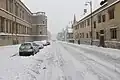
column 114, row 39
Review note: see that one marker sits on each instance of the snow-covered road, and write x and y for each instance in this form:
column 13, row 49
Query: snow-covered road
column 61, row 61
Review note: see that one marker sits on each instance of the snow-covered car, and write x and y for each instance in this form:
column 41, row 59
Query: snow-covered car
column 40, row 44
column 44, row 42
column 48, row 43
column 28, row 48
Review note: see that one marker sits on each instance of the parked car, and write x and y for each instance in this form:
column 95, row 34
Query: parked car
column 44, row 42
column 28, row 48
column 40, row 44
column 48, row 43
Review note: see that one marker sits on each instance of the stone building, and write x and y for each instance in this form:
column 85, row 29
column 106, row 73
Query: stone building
column 70, row 35
column 15, row 22
column 39, row 26
column 105, row 30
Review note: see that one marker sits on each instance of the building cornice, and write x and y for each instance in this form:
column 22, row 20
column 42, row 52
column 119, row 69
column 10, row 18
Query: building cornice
column 14, row 15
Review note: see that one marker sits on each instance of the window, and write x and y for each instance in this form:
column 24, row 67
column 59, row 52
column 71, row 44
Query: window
column 7, row 26
column 82, row 35
column 22, row 14
column 16, row 9
column 103, row 18
column 99, row 18
column 85, row 23
column 90, row 34
column 43, row 22
column 101, row 31
column 113, row 33
column 7, row 5
column 86, row 35
column 97, row 35
column 88, row 22
column 82, row 24
column 10, row 3
column 41, row 32
column 94, row 24
column 2, row 24
column 16, row 28
column 10, row 26
column 111, row 13
column 13, row 27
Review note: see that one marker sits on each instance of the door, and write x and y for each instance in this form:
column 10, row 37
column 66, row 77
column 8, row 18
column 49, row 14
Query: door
column 78, row 41
column 102, row 43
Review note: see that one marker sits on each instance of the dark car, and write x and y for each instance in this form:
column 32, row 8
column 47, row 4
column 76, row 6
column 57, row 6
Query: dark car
column 28, row 48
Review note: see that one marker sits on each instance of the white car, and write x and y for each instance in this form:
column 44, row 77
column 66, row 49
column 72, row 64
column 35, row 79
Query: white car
column 44, row 42
column 40, row 44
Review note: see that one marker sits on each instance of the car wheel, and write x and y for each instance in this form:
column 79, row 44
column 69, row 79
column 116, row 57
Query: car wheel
column 38, row 50
column 33, row 53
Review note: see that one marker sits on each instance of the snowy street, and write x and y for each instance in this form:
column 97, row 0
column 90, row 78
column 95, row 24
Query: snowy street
column 61, row 61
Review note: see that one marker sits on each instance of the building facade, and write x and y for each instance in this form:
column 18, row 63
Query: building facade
column 105, row 30
column 69, row 35
column 39, row 26
column 15, row 22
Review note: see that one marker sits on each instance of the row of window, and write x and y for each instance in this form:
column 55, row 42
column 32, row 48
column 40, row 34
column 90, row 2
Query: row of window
column 19, row 11
column 100, row 18
column 8, row 26
column 113, row 34
column 88, row 35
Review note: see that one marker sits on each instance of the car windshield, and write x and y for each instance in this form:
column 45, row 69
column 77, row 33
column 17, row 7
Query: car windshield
column 25, row 46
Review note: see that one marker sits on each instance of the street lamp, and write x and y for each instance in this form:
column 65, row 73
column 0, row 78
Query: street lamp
column 86, row 4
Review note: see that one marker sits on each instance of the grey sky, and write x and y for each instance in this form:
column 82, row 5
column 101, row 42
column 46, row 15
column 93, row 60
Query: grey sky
column 59, row 12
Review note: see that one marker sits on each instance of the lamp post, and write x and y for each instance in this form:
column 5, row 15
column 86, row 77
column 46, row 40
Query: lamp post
column 90, row 3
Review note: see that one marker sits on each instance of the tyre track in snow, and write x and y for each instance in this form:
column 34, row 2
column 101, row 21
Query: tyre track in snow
column 91, row 63
column 101, row 54
column 66, row 65
column 57, row 61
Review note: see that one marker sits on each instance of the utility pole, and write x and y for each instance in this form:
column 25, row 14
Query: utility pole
column 90, row 3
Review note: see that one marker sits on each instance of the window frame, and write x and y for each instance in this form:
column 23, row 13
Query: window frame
column 94, row 24
column 103, row 18
column 99, row 18
column 113, row 33
column 111, row 13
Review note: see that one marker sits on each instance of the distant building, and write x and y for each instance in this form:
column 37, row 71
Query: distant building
column 105, row 26
column 39, row 26
column 70, row 35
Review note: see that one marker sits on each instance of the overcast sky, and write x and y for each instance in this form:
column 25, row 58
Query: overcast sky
column 59, row 12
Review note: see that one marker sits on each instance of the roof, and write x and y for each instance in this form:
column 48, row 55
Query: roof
column 26, row 8
column 98, row 10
